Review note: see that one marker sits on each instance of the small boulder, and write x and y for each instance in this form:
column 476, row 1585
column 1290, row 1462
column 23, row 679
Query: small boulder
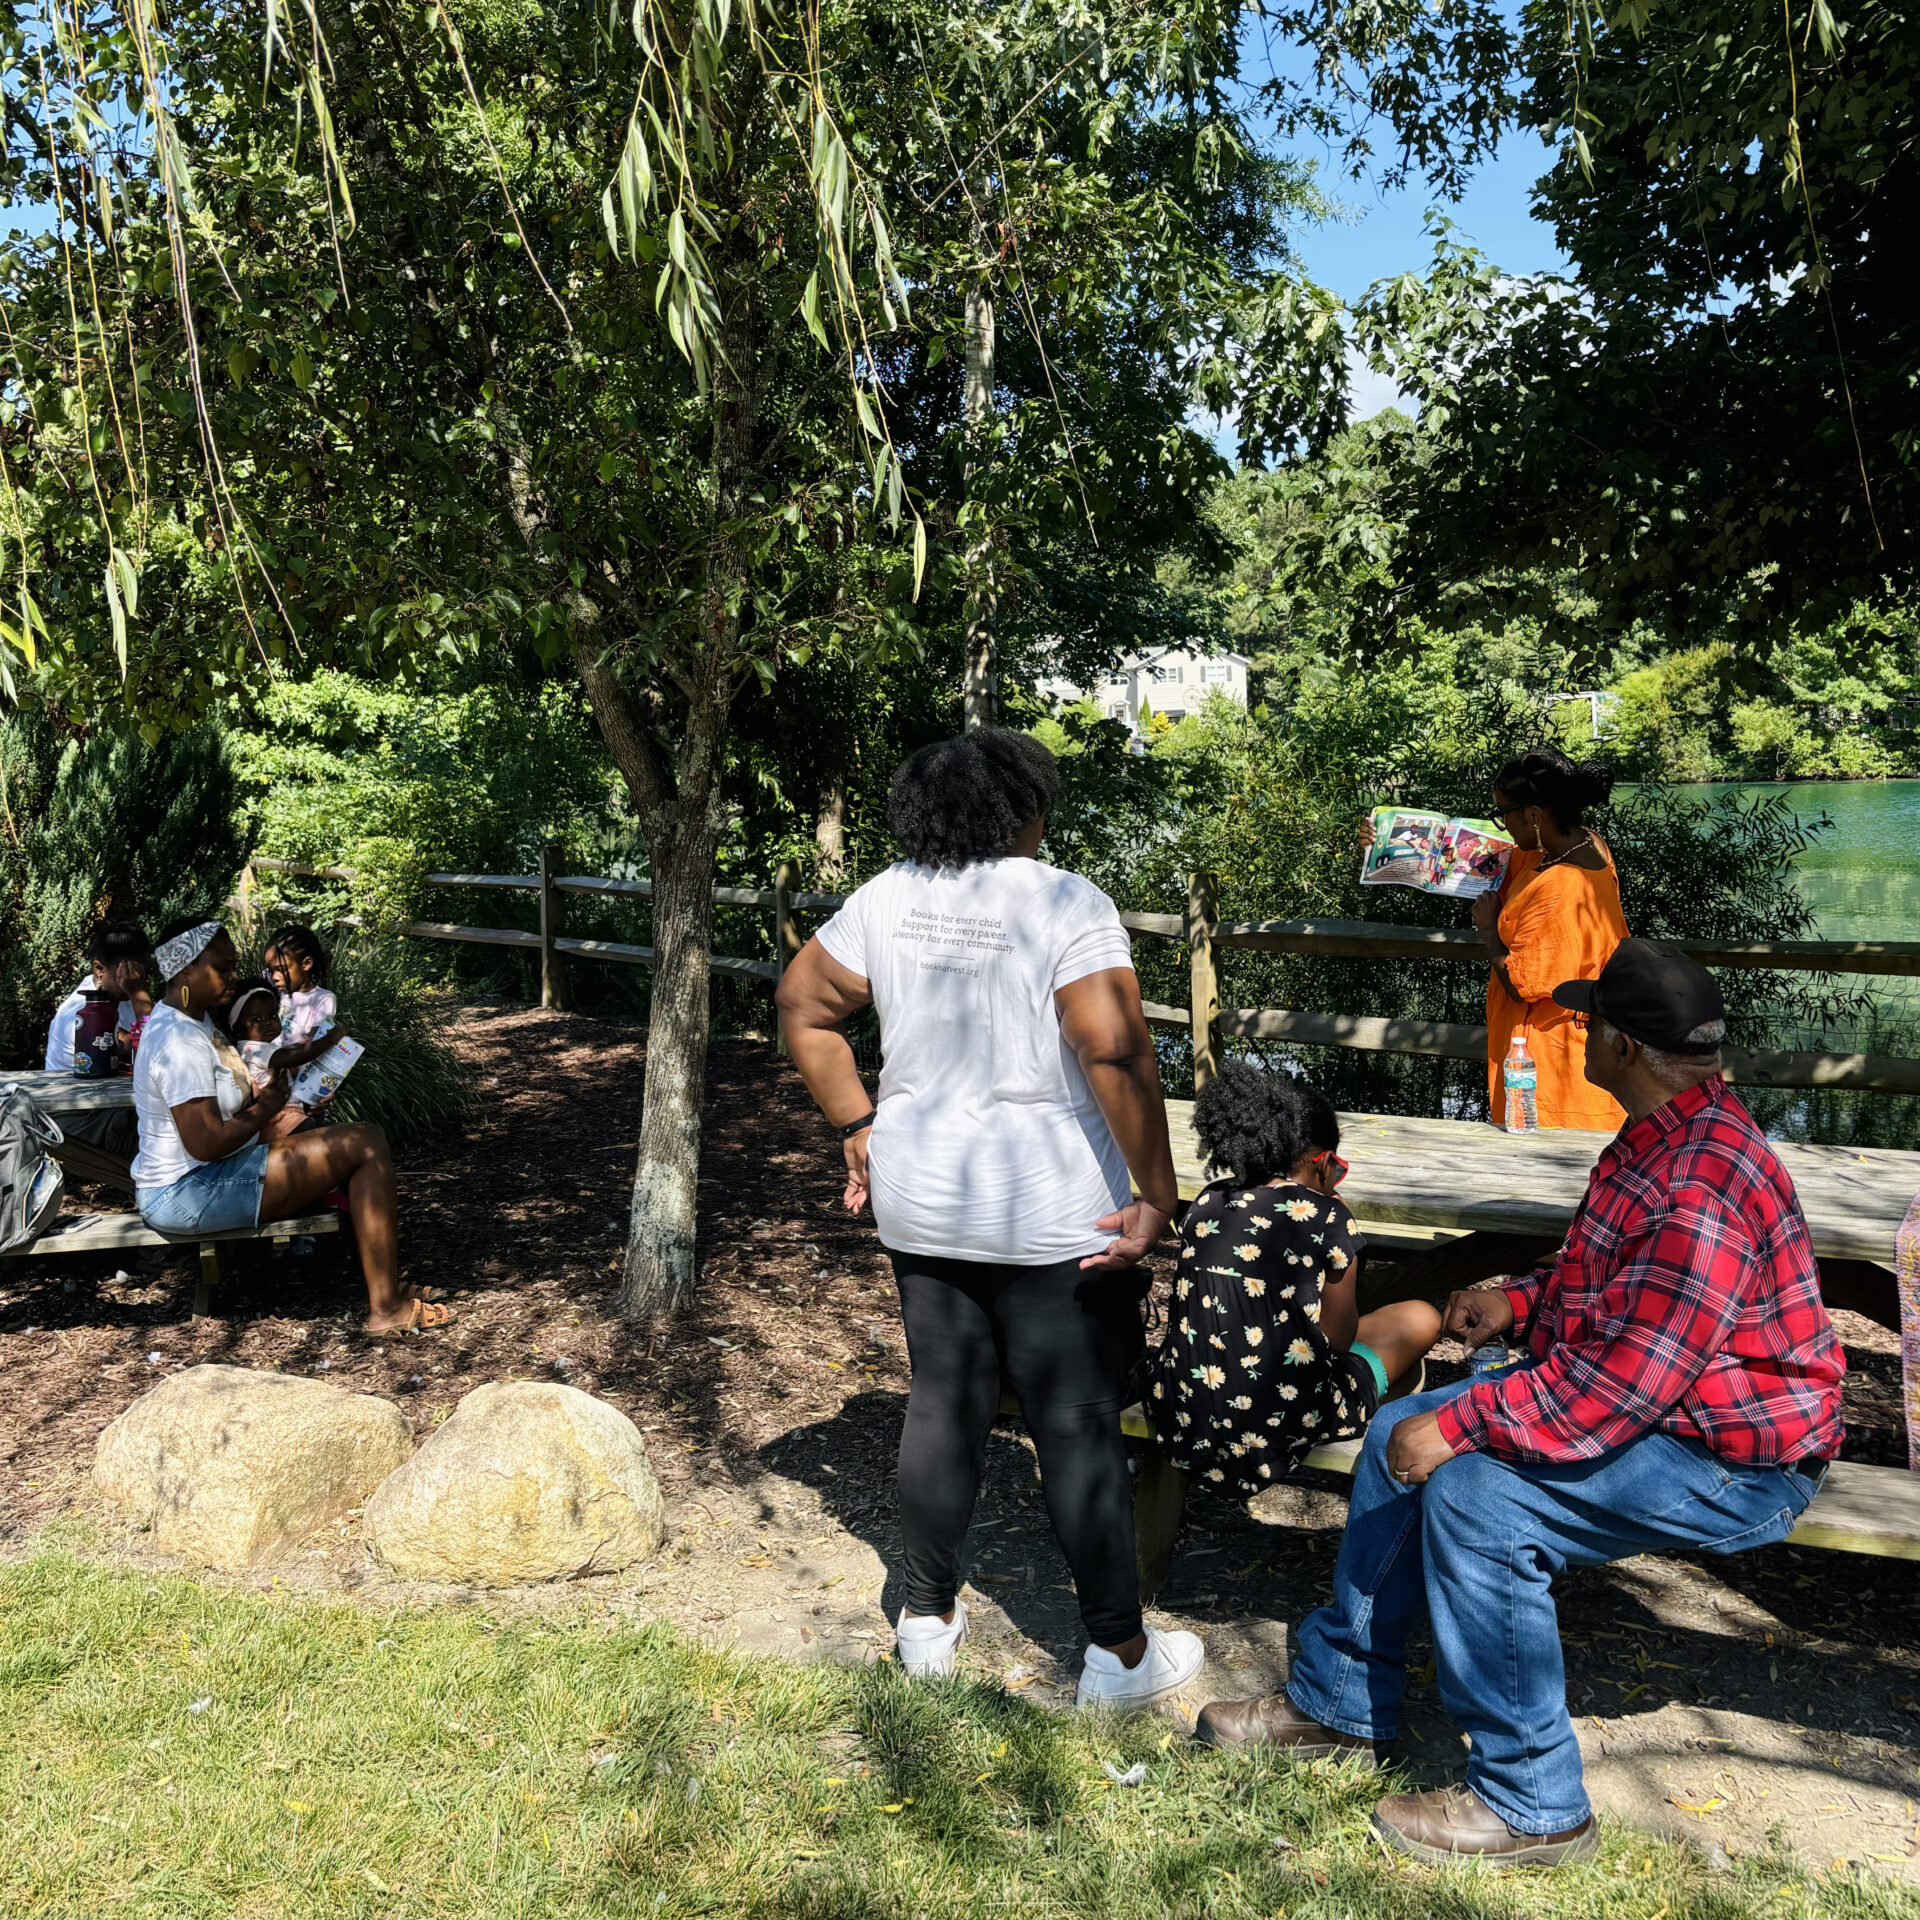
column 227, row 1465
column 525, row 1482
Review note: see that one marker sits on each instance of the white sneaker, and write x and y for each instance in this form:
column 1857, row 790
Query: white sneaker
column 928, row 1646
column 1170, row 1661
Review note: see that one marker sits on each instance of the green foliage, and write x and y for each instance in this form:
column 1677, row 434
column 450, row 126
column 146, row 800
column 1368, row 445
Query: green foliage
column 1820, row 707
column 355, row 1759
column 1713, row 423
column 494, row 437
column 1270, row 801
column 396, row 784
column 100, row 827
column 1669, row 716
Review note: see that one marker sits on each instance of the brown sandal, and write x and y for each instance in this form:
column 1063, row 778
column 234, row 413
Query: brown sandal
column 425, row 1314
column 413, row 1290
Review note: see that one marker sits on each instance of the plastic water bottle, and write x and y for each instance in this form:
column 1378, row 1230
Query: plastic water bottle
column 1520, row 1077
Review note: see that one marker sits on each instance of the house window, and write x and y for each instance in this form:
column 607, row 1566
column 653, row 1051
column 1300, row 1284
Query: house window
column 1218, row 673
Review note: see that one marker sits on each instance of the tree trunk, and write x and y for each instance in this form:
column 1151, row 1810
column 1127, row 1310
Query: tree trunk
column 681, row 815
column 658, row 1273
column 980, row 681
column 683, row 826
column 672, row 761
column 830, row 833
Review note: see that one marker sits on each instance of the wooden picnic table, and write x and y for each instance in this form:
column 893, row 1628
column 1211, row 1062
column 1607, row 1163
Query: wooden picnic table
column 58, row 1093
column 1467, row 1175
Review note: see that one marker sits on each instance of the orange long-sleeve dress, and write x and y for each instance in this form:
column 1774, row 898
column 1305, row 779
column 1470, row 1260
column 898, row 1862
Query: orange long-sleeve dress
column 1562, row 924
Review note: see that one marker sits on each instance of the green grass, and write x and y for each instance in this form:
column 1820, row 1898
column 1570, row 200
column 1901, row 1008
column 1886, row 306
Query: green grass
column 424, row 1762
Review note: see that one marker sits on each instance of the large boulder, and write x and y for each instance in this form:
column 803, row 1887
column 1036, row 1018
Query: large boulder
column 525, row 1482
column 227, row 1465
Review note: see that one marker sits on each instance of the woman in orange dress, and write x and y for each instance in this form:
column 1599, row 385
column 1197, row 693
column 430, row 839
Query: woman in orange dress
column 1555, row 917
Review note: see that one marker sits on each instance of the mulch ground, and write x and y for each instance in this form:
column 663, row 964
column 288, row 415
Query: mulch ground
column 523, row 1222
column 772, row 1408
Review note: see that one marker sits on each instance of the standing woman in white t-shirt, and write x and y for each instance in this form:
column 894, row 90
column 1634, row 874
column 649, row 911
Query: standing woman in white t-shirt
column 202, row 1167
column 1018, row 1091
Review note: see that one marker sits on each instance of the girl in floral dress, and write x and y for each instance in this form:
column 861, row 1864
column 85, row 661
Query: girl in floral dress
column 1267, row 1354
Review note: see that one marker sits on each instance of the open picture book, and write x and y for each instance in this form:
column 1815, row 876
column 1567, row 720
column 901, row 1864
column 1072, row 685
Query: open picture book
column 322, row 1077
column 1412, row 848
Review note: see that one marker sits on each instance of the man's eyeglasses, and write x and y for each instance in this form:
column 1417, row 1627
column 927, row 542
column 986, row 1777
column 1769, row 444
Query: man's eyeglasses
column 1340, row 1168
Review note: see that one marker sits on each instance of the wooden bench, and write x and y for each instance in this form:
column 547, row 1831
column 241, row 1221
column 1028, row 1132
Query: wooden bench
column 1860, row 1509
column 61, row 1094
column 114, row 1232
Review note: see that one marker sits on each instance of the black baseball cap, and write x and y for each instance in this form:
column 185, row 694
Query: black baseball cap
column 1652, row 992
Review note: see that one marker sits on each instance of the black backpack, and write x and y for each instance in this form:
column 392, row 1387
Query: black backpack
column 31, row 1180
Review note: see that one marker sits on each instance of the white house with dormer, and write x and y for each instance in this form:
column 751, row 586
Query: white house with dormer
column 1169, row 682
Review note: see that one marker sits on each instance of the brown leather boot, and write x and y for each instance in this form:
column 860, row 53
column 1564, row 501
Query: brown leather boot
column 1274, row 1721
column 1456, row 1824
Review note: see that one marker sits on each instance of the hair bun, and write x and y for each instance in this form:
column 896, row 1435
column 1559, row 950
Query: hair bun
column 1590, row 783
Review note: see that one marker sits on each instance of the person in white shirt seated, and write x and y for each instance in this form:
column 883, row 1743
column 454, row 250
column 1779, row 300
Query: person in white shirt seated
column 114, row 954
column 113, row 945
column 202, row 1166
column 1019, row 1090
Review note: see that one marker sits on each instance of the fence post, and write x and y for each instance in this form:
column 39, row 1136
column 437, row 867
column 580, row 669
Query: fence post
column 553, row 923
column 1202, row 921
column 786, row 936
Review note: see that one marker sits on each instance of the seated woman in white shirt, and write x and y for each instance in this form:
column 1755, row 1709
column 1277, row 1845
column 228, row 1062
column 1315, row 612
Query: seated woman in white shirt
column 114, row 952
column 1020, row 1088
column 202, row 1167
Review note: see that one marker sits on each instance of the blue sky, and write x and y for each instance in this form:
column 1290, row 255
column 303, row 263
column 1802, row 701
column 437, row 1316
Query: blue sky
column 1385, row 233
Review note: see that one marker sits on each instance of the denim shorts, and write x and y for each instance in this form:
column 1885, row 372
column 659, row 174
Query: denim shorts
column 219, row 1196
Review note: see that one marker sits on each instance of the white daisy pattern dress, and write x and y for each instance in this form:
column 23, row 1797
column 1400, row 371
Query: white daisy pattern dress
column 1245, row 1382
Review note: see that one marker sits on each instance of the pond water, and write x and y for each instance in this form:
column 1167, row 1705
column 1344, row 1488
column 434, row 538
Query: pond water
column 1862, row 875
column 1862, row 879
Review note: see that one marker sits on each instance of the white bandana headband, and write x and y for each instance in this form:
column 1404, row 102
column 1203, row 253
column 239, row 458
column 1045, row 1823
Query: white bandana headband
column 173, row 957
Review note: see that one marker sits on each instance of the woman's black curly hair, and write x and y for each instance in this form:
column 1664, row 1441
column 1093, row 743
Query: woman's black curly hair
column 1258, row 1125
column 1566, row 788
column 966, row 799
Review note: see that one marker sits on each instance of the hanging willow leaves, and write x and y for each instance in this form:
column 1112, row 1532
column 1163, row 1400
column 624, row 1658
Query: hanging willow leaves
column 119, row 617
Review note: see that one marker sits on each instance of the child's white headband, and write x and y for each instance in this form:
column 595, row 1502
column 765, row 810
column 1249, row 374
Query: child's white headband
column 233, row 1012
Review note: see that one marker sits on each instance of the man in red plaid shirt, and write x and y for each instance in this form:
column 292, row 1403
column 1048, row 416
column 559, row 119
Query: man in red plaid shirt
column 1678, row 1387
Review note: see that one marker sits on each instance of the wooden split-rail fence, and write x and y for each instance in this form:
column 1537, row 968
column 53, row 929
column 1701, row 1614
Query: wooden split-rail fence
column 1206, row 938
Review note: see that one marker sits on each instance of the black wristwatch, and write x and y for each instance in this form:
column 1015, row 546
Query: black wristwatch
column 859, row 1126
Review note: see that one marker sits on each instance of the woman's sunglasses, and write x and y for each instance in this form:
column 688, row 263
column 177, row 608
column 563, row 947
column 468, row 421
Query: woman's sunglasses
column 1340, row 1168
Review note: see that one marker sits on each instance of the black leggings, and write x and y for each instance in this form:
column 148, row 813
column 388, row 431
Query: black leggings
column 1065, row 1340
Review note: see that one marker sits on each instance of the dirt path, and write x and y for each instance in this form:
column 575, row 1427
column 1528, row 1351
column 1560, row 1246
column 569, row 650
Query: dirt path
column 1725, row 1699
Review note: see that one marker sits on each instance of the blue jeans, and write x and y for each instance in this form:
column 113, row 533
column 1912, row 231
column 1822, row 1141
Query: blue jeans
column 218, row 1196
column 1475, row 1548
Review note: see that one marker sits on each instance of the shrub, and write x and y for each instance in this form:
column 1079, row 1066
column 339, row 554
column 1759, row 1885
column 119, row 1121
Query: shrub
column 396, row 783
